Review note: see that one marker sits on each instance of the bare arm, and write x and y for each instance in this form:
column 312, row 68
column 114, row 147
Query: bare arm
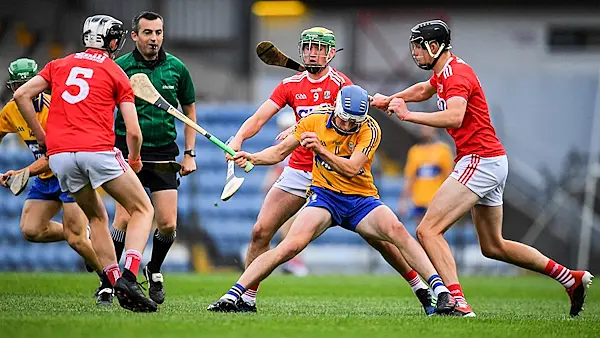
column 416, row 93
column 39, row 166
column 347, row 167
column 451, row 117
column 276, row 153
column 134, row 133
column 23, row 98
column 190, row 134
column 268, row 156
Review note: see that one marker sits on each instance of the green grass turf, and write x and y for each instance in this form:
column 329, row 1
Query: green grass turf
column 60, row 305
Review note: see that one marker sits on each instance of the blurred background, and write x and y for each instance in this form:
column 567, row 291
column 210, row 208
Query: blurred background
column 539, row 67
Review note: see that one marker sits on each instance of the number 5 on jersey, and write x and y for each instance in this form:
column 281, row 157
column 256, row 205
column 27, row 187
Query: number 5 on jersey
column 74, row 80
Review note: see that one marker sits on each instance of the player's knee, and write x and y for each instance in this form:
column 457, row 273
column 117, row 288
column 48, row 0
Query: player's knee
column 425, row 231
column 493, row 250
column 397, row 232
column 166, row 227
column 31, row 232
column 289, row 248
column 262, row 233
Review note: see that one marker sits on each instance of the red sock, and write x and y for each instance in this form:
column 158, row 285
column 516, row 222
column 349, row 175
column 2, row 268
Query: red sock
column 457, row 292
column 559, row 273
column 414, row 281
column 251, row 291
column 133, row 258
column 113, row 273
column 410, row 275
column 412, row 278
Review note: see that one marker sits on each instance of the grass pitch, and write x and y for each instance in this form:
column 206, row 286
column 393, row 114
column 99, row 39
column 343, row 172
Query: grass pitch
column 60, row 305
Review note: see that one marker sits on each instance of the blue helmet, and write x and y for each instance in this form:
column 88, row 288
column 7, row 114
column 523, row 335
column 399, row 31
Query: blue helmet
column 351, row 105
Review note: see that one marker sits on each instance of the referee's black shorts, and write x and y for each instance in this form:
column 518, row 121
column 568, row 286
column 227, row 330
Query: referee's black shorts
column 152, row 180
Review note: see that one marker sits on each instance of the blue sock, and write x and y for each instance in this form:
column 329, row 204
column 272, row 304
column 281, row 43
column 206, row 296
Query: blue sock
column 436, row 283
column 235, row 292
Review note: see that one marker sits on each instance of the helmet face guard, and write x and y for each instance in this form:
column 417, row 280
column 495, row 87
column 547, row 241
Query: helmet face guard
column 115, row 32
column 426, row 33
column 319, row 37
column 351, row 105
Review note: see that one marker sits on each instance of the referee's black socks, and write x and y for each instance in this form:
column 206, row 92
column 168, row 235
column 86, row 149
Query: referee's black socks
column 160, row 247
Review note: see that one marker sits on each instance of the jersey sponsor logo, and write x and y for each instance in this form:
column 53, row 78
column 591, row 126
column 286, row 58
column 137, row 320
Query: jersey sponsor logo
column 300, row 96
column 92, row 57
column 168, row 87
column 304, row 111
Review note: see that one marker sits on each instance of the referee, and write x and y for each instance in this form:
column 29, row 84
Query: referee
column 172, row 80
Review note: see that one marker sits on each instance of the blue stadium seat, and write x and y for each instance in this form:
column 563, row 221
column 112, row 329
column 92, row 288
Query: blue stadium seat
column 12, row 230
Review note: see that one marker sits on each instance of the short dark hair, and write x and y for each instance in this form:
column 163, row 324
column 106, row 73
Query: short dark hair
column 135, row 26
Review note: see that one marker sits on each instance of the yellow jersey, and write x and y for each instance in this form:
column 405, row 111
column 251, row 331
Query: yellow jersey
column 11, row 121
column 366, row 140
column 429, row 165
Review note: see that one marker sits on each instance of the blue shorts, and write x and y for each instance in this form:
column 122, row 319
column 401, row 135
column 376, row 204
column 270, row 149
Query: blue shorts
column 346, row 210
column 48, row 189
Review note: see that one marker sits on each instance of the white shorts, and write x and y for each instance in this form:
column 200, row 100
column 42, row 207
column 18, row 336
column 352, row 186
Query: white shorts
column 294, row 181
column 75, row 170
column 485, row 176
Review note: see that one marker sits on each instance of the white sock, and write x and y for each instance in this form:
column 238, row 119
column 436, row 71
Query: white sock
column 417, row 284
column 435, row 281
column 249, row 296
column 230, row 297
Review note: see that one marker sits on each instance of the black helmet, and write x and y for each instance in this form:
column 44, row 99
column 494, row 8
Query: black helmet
column 427, row 32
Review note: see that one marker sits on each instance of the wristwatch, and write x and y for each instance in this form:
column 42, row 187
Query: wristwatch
column 190, row 152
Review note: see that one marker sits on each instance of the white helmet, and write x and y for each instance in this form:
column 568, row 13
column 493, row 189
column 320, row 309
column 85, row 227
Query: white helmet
column 100, row 30
column 286, row 119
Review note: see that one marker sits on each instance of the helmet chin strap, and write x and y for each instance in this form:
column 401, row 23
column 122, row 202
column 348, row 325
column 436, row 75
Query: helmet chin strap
column 435, row 56
column 331, row 124
column 315, row 69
